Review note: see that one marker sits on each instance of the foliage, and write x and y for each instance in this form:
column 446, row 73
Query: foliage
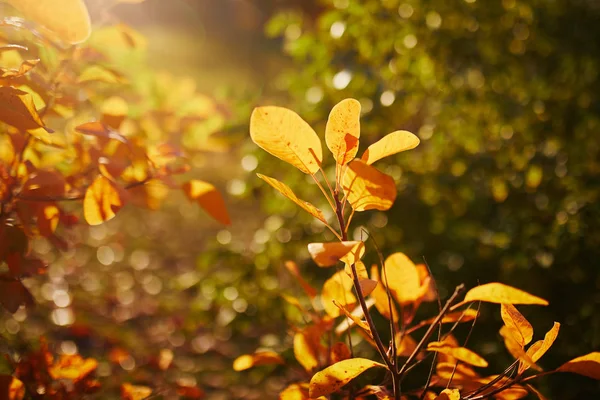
column 78, row 126
column 330, row 364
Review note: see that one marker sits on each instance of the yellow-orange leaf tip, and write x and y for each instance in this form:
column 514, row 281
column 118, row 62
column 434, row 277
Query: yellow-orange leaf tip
column 68, row 19
column 102, row 201
column 499, row 293
column 328, row 254
column 588, row 365
column 285, row 135
column 209, row 198
column 390, row 144
column 343, row 130
column 367, row 188
column 332, row 378
column 259, row 358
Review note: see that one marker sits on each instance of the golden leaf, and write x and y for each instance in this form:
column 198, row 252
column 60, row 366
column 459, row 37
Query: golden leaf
column 134, row 392
column 545, row 344
column 402, row 278
column 306, row 349
column 328, row 254
column 102, row 201
column 392, row 143
column 282, row 133
column 367, row 188
column 332, row 378
column 72, row 367
column 357, row 320
column 460, row 353
column 499, row 293
column 516, row 349
column 259, row 358
column 449, row 394
column 209, row 198
column 518, row 323
column 17, row 109
column 382, row 302
column 343, row 130
column 339, row 288
column 68, row 19
column 588, row 365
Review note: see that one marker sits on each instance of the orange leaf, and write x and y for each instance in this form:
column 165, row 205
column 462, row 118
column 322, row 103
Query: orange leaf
column 13, row 294
column 460, row 353
column 17, row 109
column 287, row 192
column 306, row 348
column 382, row 302
column 339, row 288
column 328, row 254
column 44, row 183
column 73, row 367
column 134, row 392
column 449, row 394
column 282, row 133
column 209, row 198
column 332, row 378
column 549, row 339
column 340, row 352
column 402, row 278
column 259, row 358
column 102, row 201
column 588, row 365
column 516, row 349
column 357, row 320
column 367, row 188
column 24, row 68
column 392, row 143
column 297, row 391
column 293, row 268
column 11, row 388
column 499, row 293
column 343, row 130
column 517, row 323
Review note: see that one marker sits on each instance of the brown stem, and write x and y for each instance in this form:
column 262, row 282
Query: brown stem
column 78, row 197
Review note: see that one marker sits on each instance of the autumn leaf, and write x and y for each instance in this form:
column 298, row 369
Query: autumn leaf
column 209, row 198
column 391, row 143
column 517, row 324
column 588, row 365
column 287, row 192
column 11, row 388
column 297, row 391
column 449, row 394
column 100, row 130
column 332, row 378
column 367, row 188
column 356, row 319
column 24, row 68
column 102, row 201
column 366, row 285
column 44, row 184
column 253, row 360
column 328, row 254
column 68, row 19
column 13, row 294
column 292, row 267
column 460, row 353
column 73, row 367
column 383, row 304
column 499, row 293
column 282, row 133
column 515, row 348
column 539, row 350
column 339, row 288
column 306, row 348
column 340, row 352
column 402, row 278
column 134, row 392
column 343, row 130
column 17, row 109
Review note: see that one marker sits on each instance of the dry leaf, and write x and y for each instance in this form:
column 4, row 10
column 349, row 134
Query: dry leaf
column 209, row 198
column 287, row 192
column 460, row 353
column 282, row 133
column 259, row 358
column 102, row 201
column 343, row 130
column 332, row 378
column 328, row 254
column 588, row 365
column 518, row 323
column 392, row 143
column 367, row 188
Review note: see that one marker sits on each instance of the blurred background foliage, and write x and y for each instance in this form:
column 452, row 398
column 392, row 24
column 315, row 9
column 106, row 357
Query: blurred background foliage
column 504, row 186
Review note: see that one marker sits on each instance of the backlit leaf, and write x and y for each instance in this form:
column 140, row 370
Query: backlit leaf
column 338, row 288
column 518, row 324
column 287, row 192
column 11, row 388
column 282, row 133
column 17, row 109
column 460, row 353
column 499, row 293
column 516, row 349
column 68, row 19
column 332, row 378
column 367, row 188
column 343, row 130
column 449, row 394
column 24, row 68
column 259, row 358
column 102, row 201
column 356, row 319
column 328, row 254
column 73, row 367
column 297, row 391
column 549, row 339
column 392, row 143
column 135, row 392
column 402, row 278
column 306, row 349
column 588, row 365
column 209, row 198
column 382, row 302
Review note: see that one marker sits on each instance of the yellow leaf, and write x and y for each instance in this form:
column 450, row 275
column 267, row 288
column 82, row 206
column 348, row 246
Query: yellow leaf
column 306, row 349
column 340, row 352
column 209, row 198
column 391, row 143
column 357, row 320
column 460, row 353
column 339, row 288
column 24, row 68
column 343, row 130
column 499, row 293
column 97, row 73
column 135, row 392
column 68, row 19
column 17, row 109
column 297, row 391
column 449, row 394
column 516, row 349
column 259, row 358
column 102, row 201
column 405, row 345
column 332, row 378
column 367, row 188
column 455, row 371
column 282, row 133
column 328, row 254
column 549, row 339
column 518, row 323
column 72, row 367
column 588, row 365
column 287, row 192
column 402, row 278
column 355, row 253
column 379, row 294
column 366, row 285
